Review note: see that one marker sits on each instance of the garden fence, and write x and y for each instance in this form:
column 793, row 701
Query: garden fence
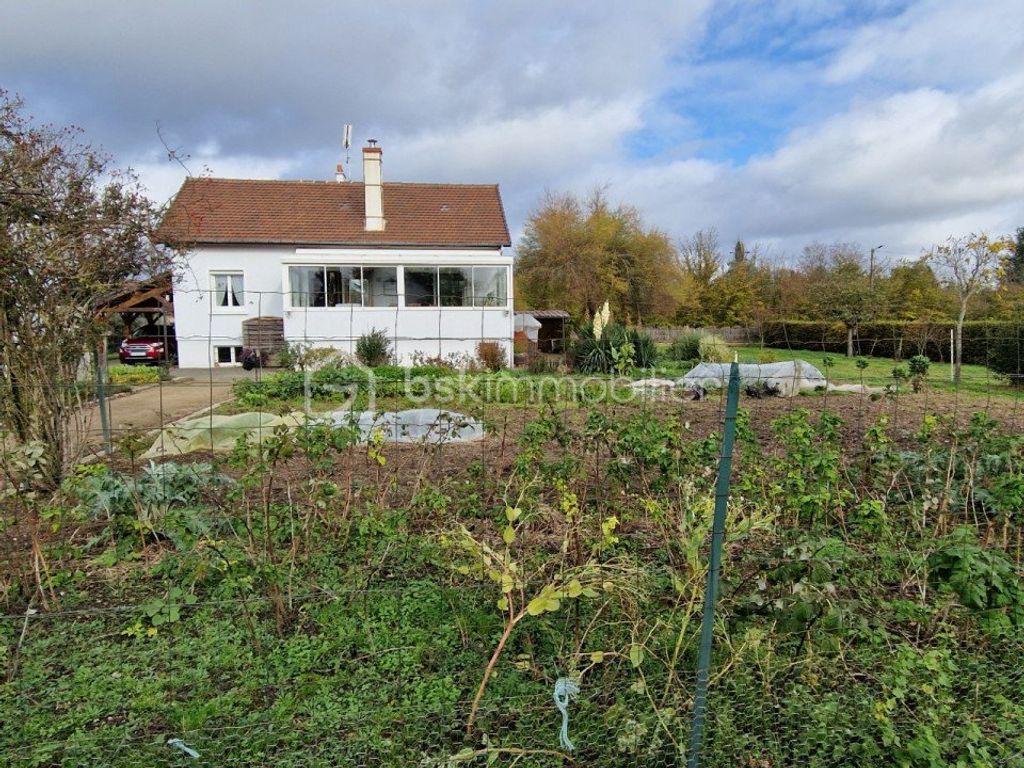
column 315, row 596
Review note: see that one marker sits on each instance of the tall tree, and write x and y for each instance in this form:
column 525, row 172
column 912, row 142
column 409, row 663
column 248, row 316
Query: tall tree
column 701, row 260
column 912, row 292
column 1014, row 268
column 849, row 297
column 71, row 228
column 968, row 265
column 701, row 257
column 837, row 287
column 577, row 255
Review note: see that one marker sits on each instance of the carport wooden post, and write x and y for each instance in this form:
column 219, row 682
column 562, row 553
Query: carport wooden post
column 700, row 698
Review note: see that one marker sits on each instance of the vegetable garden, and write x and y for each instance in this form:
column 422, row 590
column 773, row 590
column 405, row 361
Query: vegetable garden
column 313, row 600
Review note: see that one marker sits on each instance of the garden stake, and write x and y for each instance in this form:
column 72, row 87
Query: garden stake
column 717, row 535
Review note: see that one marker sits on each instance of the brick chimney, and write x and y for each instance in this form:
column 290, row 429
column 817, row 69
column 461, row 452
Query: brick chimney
column 372, row 188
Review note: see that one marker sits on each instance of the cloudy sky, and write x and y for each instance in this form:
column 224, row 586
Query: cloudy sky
column 876, row 121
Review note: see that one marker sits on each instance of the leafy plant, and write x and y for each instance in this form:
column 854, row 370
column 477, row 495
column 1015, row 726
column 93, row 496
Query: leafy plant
column 374, row 348
column 146, row 499
column 713, row 349
column 609, row 353
column 918, row 366
column 686, row 347
column 166, row 609
column 983, row 579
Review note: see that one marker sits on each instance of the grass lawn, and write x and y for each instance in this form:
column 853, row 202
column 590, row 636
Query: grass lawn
column 976, row 379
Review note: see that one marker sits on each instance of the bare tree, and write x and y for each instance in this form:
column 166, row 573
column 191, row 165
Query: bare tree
column 701, row 256
column 968, row 265
column 71, row 228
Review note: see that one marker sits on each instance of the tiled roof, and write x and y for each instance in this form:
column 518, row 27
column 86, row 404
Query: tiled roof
column 208, row 210
column 548, row 314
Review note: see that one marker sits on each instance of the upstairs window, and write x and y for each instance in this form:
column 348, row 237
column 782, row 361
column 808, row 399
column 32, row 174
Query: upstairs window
column 228, row 289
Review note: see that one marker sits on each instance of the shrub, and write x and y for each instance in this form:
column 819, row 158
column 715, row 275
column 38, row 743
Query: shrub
column 645, row 351
column 593, row 355
column 300, row 356
column 288, row 356
column 705, row 347
column 686, row 348
column 918, row 366
column 491, row 355
column 453, row 361
column 713, row 349
column 133, row 375
column 374, row 348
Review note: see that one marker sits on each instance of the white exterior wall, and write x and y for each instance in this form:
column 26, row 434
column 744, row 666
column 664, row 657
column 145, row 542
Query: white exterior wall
column 200, row 326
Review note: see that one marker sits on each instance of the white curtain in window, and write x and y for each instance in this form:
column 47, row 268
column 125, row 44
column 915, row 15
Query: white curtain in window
column 227, row 290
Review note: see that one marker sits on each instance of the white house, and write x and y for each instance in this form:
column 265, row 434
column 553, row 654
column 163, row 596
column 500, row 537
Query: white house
column 336, row 259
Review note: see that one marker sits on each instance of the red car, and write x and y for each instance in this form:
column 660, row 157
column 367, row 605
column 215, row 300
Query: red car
column 153, row 344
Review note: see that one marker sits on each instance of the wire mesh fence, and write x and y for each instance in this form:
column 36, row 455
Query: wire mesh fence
column 299, row 591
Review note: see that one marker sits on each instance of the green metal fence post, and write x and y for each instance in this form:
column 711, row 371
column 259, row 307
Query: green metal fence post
column 717, row 537
column 101, row 402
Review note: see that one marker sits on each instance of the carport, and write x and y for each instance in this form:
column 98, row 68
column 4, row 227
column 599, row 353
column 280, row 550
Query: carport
column 153, row 298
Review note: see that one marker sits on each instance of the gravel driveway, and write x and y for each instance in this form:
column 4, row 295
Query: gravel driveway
column 189, row 391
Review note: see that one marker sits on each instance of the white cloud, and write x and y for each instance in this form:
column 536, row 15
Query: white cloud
column 520, row 148
column 162, row 178
column 906, row 127
column 911, row 169
column 937, row 42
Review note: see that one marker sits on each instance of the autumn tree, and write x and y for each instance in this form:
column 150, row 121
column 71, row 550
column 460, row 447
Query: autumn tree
column 701, row 257
column 913, row 292
column 1013, row 270
column 734, row 296
column 969, row 265
column 835, row 286
column 577, row 255
column 701, row 261
column 71, row 228
column 1008, row 301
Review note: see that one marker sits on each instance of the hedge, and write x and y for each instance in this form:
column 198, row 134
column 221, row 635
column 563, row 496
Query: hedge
column 133, row 375
column 998, row 345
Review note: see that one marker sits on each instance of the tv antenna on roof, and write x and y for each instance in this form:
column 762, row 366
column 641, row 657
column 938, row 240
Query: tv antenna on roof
column 346, row 142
